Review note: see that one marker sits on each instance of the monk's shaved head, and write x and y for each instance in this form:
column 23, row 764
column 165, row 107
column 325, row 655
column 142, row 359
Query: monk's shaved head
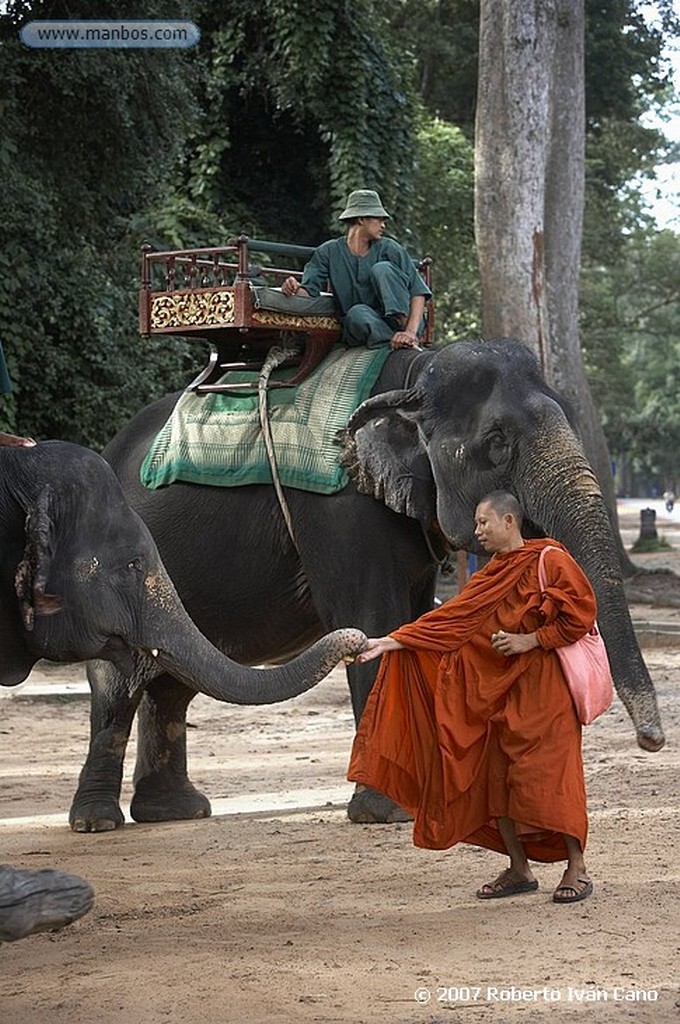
column 504, row 503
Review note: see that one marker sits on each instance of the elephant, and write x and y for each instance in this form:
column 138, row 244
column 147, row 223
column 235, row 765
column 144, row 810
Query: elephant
column 441, row 429
column 40, row 901
column 81, row 579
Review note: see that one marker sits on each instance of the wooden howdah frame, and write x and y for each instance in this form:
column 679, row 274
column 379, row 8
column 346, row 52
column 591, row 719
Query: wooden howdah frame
column 211, row 294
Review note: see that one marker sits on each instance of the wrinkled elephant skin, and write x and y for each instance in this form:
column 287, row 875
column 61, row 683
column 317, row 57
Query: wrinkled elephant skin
column 81, row 579
column 440, row 431
column 40, row 901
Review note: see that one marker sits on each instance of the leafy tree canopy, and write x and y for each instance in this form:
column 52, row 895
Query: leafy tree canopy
column 89, row 136
column 303, row 101
column 631, row 331
column 265, row 127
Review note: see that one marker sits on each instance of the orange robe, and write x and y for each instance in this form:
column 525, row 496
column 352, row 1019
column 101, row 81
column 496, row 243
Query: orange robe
column 459, row 735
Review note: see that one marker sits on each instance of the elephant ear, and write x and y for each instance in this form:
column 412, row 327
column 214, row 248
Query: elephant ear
column 385, row 455
column 31, row 575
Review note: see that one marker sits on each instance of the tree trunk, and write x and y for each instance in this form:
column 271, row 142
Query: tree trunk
column 529, row 193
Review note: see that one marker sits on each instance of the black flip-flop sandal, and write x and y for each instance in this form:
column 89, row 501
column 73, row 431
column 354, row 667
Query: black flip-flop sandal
column 579, row 894
column 513, row 889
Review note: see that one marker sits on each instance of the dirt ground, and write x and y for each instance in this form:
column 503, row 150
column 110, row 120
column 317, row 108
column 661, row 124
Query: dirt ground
column 278, row 909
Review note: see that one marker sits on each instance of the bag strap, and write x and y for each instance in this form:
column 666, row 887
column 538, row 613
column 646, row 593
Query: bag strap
column 542, row 580
column 541, row 567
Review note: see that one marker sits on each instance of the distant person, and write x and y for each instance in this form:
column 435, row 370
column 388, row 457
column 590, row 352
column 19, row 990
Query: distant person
column 379, row 294
column 470, row 724
column 669, row 499
column 5, row 388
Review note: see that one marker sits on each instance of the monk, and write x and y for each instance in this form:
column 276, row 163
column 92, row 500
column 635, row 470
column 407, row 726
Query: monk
column 470, row 725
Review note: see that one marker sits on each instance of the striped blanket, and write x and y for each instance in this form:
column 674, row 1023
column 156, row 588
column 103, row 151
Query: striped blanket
column 216, row 438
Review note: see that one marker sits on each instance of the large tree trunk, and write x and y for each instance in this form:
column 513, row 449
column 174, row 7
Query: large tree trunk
column 529, row 189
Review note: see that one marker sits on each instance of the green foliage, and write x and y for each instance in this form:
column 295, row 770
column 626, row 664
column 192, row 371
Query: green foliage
column 443, row 211
column 625, row 78
column 631, row 331
column 442, row 38
column 624, row 71
column 282, row 110
column 265, row 127
column 303, row 103
column 90, row 138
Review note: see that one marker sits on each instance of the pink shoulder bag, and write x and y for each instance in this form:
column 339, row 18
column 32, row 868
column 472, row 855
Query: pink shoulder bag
column 585, row 666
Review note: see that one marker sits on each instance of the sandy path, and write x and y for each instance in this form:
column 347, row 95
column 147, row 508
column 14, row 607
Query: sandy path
column 278, row 909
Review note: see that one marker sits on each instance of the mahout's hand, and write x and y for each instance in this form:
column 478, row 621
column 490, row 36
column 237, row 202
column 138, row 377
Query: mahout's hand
column 13, row 441
column 404, row 339
column 291, row 286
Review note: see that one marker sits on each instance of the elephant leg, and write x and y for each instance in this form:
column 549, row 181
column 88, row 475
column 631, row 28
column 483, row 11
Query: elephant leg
column 96, row 805
column 374, row 601
column 367, row 806
column 163, row 791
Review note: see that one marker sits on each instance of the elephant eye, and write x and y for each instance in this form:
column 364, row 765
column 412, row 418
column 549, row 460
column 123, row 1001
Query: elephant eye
column 497, row 447
column 135, row 564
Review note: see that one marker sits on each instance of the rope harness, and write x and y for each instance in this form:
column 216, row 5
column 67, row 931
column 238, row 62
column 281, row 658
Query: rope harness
column 277, row 355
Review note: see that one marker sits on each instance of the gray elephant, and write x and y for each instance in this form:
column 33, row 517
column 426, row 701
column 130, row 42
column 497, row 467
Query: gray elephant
column 441, row 430
column 81, row 579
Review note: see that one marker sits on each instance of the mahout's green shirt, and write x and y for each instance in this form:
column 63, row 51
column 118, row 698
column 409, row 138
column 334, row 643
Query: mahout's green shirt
column 349, row 274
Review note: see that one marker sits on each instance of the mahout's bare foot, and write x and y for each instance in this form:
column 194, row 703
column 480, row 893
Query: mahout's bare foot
column 14, row 441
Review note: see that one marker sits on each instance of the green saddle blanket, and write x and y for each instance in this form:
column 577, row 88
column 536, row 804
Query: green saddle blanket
column 216, row 438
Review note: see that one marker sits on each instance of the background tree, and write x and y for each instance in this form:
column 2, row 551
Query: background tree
column 529, row 194
column 529, row 186
column 102, row 150
column 631, row 323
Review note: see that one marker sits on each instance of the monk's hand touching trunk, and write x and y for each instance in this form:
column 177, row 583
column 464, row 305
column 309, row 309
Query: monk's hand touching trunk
column 377, row 646
column 513, row 643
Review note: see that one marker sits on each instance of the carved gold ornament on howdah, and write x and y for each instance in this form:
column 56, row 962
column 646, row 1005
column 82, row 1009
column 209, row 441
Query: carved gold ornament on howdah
column 192, row 309
column 269, row 318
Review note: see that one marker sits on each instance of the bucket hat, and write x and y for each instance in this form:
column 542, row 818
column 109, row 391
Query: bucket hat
column 363, row 202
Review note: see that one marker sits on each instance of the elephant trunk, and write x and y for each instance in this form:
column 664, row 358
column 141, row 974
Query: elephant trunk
column 558, row 490
column 184, row 651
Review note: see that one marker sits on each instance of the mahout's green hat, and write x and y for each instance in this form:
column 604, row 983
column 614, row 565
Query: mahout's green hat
column 363, row 202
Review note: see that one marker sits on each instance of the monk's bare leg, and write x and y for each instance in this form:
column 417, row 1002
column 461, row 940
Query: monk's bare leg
column 575, row 885
column 518, row 877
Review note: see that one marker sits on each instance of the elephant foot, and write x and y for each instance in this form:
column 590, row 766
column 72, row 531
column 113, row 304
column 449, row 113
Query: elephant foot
column 40, row 901
column 102, row 816
column 159, row 798
column 650, row 737
column 368, row 807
